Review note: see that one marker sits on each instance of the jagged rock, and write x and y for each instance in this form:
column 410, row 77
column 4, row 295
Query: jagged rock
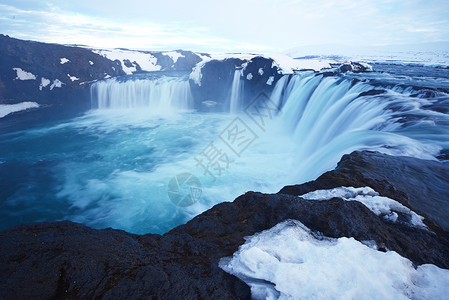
column 69, row 260
column 421, row 185
column 217, row 76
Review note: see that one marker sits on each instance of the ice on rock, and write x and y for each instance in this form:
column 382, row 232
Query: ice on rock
column 289, row 261
column 64, row 60
column 56, row 84
column 72, row 78
column 381, row 206
column 24, row 75
column 44, row 83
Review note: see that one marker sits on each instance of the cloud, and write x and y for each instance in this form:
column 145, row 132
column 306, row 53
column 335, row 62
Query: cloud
column 256, row 26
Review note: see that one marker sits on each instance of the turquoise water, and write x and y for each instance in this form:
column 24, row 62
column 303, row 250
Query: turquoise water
column 120, row 164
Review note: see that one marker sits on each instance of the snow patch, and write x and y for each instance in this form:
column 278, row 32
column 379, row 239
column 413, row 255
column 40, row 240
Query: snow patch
column 73, row 78
column 56, row 83
column 286, row 64
column 44, row 83
column 6, row 109
column 270, row 80
column 24, row 75
column 381, row 206
column 64, row 60
column 249, row 76
column 91, row 63
column 289, row 261
column 146, row 61
column 174, row 55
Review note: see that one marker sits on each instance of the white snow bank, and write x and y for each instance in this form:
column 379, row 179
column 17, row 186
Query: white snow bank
column 288, row 261
column 146, row 61
column 56, row 83
column 6, row 109
column 91, row 63
column 174, row 55
column 24, row 75
column 44, row 83
column 381, row 206
column 64, row 60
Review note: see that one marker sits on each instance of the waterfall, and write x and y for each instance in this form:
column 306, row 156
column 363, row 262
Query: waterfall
column 235, row 102
column 162, row 93
column 331, row 116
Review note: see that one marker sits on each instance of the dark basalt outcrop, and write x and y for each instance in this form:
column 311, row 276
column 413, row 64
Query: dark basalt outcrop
column 62, row 77
column 217, row 77
column 69, row 260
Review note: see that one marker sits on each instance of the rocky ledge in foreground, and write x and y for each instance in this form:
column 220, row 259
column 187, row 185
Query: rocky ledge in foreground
column 69, row 260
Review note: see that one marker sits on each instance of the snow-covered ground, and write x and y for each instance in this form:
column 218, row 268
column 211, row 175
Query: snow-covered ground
column 145, row 60
column 6, row 109
column 289, row 261
column 426, row 53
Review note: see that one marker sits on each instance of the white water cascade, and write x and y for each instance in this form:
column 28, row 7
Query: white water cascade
column 163, row 93
column 332, row 116
column 235, row 102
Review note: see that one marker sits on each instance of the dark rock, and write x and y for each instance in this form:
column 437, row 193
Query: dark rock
column 372, row 93
column 217, row 77
column 69, row 260
column 422, row 185
column 216, row 81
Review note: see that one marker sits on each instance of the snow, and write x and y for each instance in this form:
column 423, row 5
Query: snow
column 24, row 75
column 73, row 78
column 289, row 261
column 249, row 76
column 286, row 64
column 174, row 55
column 435, row 54
column 6, row 109
column 270, row 80
column 64, row 60
column 381, row 206
column 91, row 63
column 44, row 83
column 196, row 74
column 146, row 61
column 56, row 83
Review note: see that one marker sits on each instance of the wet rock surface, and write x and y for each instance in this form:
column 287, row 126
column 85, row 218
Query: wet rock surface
column 70, row 260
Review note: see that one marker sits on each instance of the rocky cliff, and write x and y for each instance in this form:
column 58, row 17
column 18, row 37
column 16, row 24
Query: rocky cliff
column 69, row 260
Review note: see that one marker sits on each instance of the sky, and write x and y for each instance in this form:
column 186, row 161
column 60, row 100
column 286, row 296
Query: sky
column 226, row 26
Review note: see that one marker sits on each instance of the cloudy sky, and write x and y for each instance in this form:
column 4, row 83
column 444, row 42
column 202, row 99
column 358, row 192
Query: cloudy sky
column 231, row 25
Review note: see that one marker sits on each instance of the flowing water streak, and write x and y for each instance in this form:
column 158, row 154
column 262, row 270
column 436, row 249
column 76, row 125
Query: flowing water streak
column 163, row 93
column 235, row 101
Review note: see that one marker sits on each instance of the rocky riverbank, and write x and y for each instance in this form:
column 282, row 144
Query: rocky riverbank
column 70, row 260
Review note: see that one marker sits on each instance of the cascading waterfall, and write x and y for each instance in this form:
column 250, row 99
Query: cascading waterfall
column 235, row 101
column 331, row 116
column 163, row 93
column 110, row 167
